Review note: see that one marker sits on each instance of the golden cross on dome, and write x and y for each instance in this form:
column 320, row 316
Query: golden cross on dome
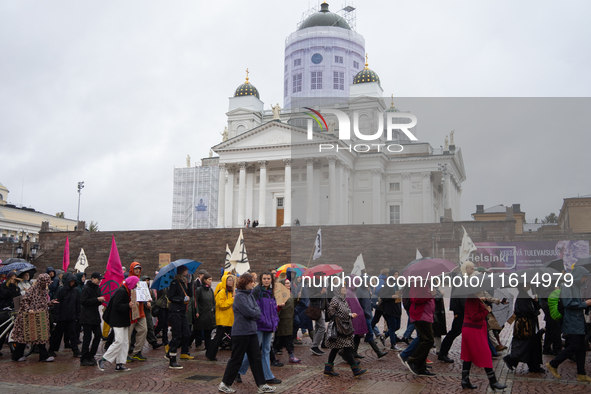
column 366, row 63
column 247, row 76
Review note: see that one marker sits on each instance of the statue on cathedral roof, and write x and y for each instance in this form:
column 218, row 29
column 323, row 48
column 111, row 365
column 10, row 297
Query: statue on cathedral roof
column 224, row 134
column 276, row 111
column 451, row 137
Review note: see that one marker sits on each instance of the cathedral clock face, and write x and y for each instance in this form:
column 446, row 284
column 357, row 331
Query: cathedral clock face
column 316, row 58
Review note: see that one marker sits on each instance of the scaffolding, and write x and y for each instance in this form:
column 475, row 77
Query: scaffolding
column 348, row 13
column 195, row 197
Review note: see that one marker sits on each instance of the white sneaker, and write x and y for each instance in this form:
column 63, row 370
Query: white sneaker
column 225, row 389
column 396, row 348
column 265, row 388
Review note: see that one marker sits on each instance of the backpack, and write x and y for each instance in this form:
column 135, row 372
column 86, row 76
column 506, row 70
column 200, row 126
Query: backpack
column 555, row 305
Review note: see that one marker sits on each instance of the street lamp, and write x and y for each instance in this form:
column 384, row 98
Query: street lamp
column 34, row 250
column 80, row 187
column 19, row 250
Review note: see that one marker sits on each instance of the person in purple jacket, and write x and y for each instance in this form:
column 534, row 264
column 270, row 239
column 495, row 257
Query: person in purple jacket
column 266, row 325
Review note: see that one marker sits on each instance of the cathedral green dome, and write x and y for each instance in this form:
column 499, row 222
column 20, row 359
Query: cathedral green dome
column 366, row 75
column 247, row 89
column 324, row 18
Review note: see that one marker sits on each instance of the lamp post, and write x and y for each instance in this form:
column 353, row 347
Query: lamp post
column 34, row 250
column 19, row 250
column 80, row 187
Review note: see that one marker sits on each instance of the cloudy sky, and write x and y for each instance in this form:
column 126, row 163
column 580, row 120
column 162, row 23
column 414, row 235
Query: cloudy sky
column 116, row 94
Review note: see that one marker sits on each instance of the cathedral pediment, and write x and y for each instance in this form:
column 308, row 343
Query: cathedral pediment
column 271, row 134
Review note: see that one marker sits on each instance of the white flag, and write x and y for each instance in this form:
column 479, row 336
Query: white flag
column 318, row 245
column 466, row 248
column 227, row 264
column 239, row 258
column 419, row 255
column 82, row 262
column 358, row 266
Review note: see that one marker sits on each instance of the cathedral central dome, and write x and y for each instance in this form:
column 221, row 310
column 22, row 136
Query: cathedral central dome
column 324, row 18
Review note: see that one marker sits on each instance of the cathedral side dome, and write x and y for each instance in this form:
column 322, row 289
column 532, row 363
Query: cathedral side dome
column 366, row 75
column 324, row 18
column 247, row 89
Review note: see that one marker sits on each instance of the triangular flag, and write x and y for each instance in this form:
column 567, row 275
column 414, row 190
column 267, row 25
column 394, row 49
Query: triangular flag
column 239, row 257
column 466, row 248
column 82, row 262
column 318, row 245
column 419, row 255
column 114, row 275
column 227, row 264
column 358, row 266
column 66, row 259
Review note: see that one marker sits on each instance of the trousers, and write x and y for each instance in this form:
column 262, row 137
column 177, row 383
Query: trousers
column 118, row 349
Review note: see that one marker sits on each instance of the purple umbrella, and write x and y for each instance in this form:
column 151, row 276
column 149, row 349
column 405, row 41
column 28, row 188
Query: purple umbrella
column 429, row 267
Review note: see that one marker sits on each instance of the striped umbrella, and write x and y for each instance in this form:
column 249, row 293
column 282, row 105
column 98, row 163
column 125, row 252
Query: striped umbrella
column 298, row 268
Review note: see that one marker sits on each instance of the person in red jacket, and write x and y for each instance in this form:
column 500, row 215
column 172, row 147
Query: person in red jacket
column 421, row 314
column 475, row 347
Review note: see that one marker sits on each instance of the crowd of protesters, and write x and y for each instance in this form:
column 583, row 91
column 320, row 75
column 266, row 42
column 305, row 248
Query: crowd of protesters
column 244, row 313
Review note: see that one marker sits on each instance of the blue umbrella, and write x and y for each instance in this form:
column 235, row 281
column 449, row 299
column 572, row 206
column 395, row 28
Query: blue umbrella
column 167, row 274
column 20, row 267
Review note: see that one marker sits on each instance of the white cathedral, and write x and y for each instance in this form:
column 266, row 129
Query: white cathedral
column 271, row 171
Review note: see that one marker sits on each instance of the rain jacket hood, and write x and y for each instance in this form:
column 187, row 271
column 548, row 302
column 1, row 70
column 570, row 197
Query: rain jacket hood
column 224, row 300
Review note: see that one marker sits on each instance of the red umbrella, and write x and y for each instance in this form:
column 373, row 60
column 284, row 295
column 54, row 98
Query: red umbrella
column 324, row 270
column 430, row 267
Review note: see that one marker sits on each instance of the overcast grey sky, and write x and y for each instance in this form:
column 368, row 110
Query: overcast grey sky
column 116, row 94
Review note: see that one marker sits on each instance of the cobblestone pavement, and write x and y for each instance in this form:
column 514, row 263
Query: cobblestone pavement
column 386, row 375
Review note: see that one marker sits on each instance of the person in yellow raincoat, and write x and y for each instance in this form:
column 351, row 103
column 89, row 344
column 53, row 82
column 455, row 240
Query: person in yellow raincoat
column 224, row 314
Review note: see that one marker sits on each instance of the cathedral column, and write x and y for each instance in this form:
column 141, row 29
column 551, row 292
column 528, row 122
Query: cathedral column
column 427, row 205
column 230, row 197
column 263, row 194
column 222, row 196
column 309, row 190
column 332, row 187
column 318, row 200
column 342, row 194
column 376, row 196
column 405, row 198
column 287, row 201
column 241, row 193
column 250, row 193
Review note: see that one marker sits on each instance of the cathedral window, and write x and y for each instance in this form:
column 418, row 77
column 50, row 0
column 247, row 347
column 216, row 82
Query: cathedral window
column 316, row 78
column 297, row 83
column 339, row 80
column 395, row 186
column 355, row 64
column 338, row 59
column 394, row 214
column 285, row 87
column 297, row 62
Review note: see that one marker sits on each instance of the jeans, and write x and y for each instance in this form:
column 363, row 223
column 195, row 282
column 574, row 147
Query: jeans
column 369, row 336
column 244, row 345
column 456, row 330
column 410, row 349
column 409, row 329
column 319, row 329
column 264, row 338
column 393, row 326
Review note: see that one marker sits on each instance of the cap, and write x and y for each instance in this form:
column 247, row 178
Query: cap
column 96, row 275
column 145, row 277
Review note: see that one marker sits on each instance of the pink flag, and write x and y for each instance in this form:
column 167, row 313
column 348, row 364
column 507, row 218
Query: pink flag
column 66, row 260
column 114, row 275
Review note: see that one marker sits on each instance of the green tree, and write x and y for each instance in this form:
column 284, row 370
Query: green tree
column 60, row 215
column 552, row 218
column 93, row 227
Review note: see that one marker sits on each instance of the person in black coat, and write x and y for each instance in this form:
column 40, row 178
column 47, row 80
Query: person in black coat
column 179, row 301
column 66, row 312
column 204, row 310
column 90, row 319
column 456, row 305
column 8, row 290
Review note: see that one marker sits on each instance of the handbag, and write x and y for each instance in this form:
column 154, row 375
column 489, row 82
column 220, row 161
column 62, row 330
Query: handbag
column 331, row 330
column 313, row 312
column 523, row 328
column 344, row 328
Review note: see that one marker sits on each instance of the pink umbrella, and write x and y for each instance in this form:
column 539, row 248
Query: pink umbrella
column 429, row 267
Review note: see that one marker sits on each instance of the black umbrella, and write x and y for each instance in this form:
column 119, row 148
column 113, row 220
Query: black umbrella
column 556, row 264
column 14, row 260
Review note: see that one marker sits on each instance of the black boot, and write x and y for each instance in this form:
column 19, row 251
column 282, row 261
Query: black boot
column 494, row 384
column 173, row 364
column 356, row 347
column 466, row 380
column 376, row 349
